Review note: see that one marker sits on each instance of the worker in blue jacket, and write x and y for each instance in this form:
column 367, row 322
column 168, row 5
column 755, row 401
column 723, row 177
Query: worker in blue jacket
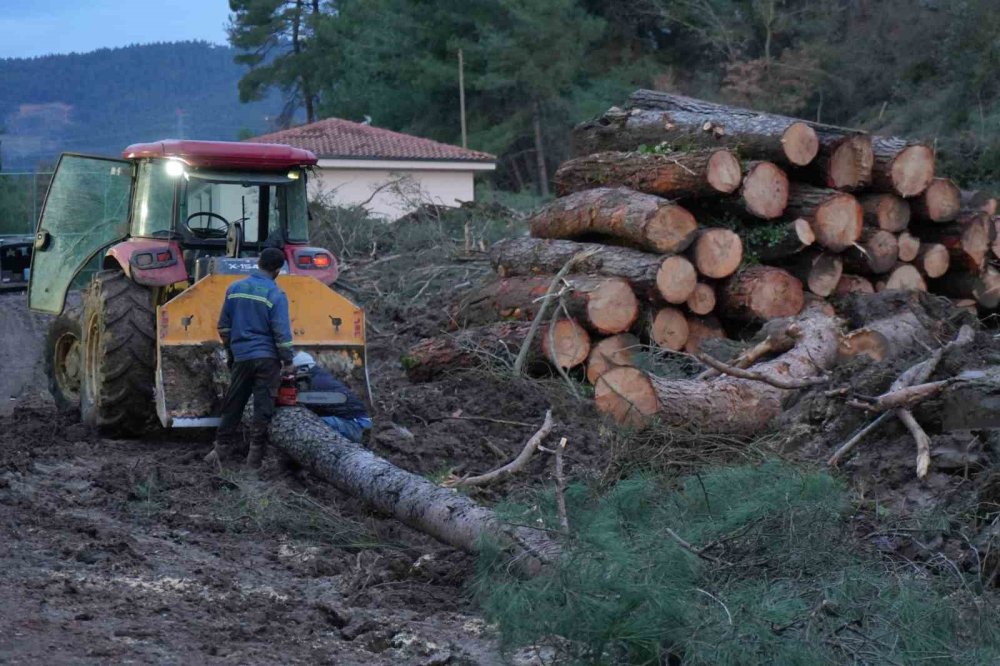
column 257, row 336
column 347, row 413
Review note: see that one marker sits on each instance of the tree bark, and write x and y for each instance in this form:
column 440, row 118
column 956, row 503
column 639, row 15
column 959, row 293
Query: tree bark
column 539, row 256
column 836, row 217
column 727, row 404
column 877, row 252
column 940, row 202
column 642, row 220
column 674, row 175
column 612, row 352
column 449, row 517
column 820, row 272
column 702, row 299
column 764, row 193
column 969, row 240
column 780, row 241
column 605, row 306
column 902, row 168
column 669, row 329
column 717, row 252
column 759, row 294
column 886, row 211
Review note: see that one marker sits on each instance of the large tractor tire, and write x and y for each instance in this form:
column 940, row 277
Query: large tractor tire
column 64, row 355
column 119, row 355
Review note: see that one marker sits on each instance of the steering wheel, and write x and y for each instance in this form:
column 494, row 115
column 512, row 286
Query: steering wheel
column 216, row 226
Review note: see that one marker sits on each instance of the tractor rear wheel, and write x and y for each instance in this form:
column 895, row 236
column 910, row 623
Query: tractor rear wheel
column 119, row 355
column 64, row 355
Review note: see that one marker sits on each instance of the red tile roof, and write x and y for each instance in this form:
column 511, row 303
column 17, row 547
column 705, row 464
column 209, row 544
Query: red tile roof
column 334, row 138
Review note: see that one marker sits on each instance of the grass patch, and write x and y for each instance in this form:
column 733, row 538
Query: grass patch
column 776, row 579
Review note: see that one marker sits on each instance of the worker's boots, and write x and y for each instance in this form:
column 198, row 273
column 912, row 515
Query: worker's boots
column 224, row 449
column 258, row 445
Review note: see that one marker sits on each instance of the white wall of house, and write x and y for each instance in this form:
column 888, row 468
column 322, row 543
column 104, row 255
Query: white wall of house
column 391, row 189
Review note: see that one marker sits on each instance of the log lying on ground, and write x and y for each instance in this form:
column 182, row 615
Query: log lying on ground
column 775, row 138
column 702, row 299
column 485, row 345
column 764, row 192
column 541, row 256
column 643, row 220
column 604, row 305
column 449, row 517
column 701, row 329
column 717, row 253
column 969, row 241
column 886, row 211
column 727, row 404
column 819, row 271
column 675, row 175
column 780, row 241
column 836, row 218
column 909, row 246
column 612, row 352
column 761, row 293
column 932, row 260
column 876, row 252
column 903, row 168
column 940, row 202
column 669, row 329
column 978, row 201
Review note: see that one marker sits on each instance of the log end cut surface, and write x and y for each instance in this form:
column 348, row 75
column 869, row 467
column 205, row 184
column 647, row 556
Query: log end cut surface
column 718, row 252
column 851, row 163
column 702, row 299
column 676, row 279
column 908, row 246
column 765, row 191
column 612, row 307
column 627, row 395
column 613, row 352
column 566, row 343
column 669, row 329
column 761, row 293
column 906, row 278
column 671, row 228
column 942, row 201
column 887, row 211
column 933, row 260
column 824, row 274
column 724, row 172
column 839, row 222
column 800, row 143
column 912, row 170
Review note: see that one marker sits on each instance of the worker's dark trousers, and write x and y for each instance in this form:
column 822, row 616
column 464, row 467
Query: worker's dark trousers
column 259, row 377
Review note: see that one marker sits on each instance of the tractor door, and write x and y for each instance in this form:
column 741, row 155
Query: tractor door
column 86, row 210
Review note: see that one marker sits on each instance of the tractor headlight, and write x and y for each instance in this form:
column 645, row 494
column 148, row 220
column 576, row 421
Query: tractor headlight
column 174, row 168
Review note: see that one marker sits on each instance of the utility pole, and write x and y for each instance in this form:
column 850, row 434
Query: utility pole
column 180, row 123
column 461, row 96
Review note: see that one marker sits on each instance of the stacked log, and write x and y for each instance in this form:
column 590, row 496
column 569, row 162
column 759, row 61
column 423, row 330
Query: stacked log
column 684, row 219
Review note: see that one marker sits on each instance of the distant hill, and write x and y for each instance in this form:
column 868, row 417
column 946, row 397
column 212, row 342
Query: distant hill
column 101, row 101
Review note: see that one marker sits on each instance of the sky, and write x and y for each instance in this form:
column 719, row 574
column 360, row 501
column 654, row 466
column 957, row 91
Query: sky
column 40, row 27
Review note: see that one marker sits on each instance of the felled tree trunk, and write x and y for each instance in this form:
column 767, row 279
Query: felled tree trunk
column 675, row 175
column 780, row 241
column 669, row 329
column 761, row 293
column 476, row 347
column 642, row 220
column 676, row 280
column 903, row 168
column 604, row 305
column 853, row 284
column 909, row 246
column 702, row 299
column 836, row 217
column 775, row 138
column 982, row 286
column 612, row 352
column 940, row 202
column 844, row 162
column 932, row 260
column 905, row 277
column 717, row 253
column 877, row 252
column 969, row 240
column 726, row 404
column 449, row 517
column 541, row 256
column 978, row 201
column 701, row 329
column 886, row 211
column 819, row 271
column 764, row 193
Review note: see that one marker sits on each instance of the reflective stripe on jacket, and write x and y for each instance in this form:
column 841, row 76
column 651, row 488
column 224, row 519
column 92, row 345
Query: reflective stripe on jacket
column 254, row 320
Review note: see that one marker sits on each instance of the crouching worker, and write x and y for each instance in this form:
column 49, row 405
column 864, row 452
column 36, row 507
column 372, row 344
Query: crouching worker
column 344, row 412
column 257, row 336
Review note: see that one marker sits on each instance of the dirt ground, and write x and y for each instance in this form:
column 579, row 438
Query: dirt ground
column 135, row 552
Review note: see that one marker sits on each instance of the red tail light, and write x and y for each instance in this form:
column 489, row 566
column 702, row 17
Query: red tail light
column 305, row 260
column 322, row 261
column 164, row 256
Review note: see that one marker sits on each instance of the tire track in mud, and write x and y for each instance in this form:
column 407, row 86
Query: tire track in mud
column 22, row 339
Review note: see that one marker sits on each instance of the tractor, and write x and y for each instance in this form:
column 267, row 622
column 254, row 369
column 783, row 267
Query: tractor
column 165, row 230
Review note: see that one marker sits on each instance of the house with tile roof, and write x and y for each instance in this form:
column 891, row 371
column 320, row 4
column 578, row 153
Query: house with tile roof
column 389, row 173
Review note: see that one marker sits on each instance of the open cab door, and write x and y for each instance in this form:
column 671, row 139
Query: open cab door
column 86, row 210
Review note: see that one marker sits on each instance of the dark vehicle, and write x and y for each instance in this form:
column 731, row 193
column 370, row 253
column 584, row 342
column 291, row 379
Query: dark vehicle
column 15, row 261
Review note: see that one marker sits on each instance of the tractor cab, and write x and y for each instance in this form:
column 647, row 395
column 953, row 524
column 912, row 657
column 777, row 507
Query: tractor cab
column 166, row 229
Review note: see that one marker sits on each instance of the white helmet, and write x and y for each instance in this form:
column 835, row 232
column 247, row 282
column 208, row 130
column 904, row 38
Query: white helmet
column 303, row 360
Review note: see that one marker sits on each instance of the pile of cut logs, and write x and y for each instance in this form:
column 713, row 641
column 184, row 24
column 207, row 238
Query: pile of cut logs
column 679, row 216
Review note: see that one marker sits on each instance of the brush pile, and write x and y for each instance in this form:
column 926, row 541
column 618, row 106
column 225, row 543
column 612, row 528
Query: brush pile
column 680, row 220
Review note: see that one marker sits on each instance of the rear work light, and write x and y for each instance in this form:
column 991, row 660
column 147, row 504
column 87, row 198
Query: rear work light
column 322, row 260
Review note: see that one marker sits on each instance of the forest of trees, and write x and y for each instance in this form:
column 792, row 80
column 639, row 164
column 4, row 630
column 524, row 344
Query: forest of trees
column 533, row 68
